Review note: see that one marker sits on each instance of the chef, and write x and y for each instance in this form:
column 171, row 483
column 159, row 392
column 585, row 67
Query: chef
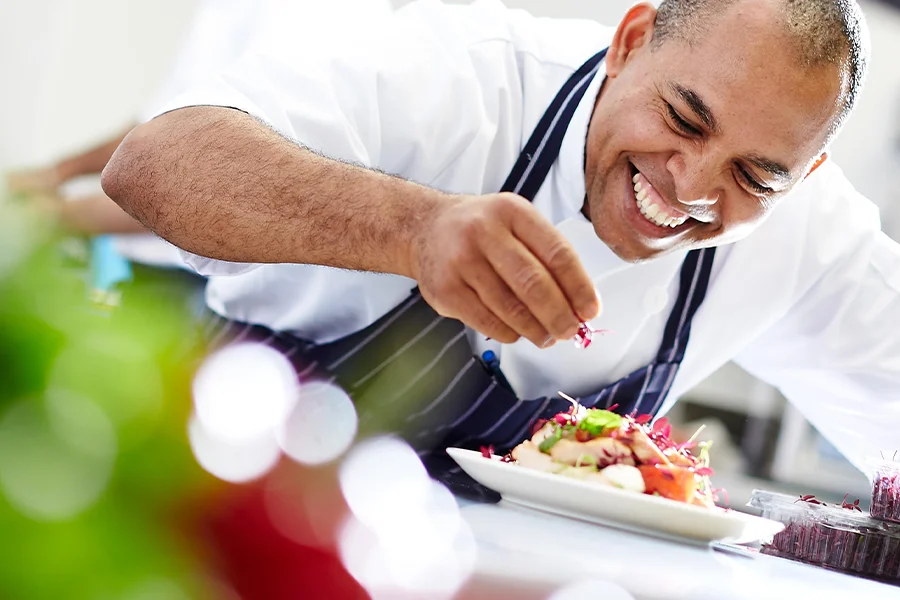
column 457, row 186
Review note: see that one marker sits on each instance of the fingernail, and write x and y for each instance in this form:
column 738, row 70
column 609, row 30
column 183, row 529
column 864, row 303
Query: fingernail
column 549, row 343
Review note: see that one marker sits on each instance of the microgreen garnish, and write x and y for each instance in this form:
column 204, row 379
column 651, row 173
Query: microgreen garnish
column 586, row 460
column 849, row 505
column 551, row 441
column 694, row 437
column 809, row 499
column 576, row 406
column 596, row 422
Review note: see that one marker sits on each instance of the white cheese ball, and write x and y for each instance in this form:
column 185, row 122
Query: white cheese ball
column 624, row 477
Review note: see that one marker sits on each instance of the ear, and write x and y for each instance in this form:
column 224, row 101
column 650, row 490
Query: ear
column 819, row 162
column 634, row 32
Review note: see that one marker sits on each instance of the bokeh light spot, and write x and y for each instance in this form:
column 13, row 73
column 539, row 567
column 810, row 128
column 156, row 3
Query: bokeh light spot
column 244, row 392
column 406, row 535
column 55, row 463
column 321, row 427
column 235, row 462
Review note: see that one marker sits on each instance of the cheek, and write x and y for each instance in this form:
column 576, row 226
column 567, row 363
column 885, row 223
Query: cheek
column 742, row 215
column 628, row 130
column 638, row 119
column 629, row 113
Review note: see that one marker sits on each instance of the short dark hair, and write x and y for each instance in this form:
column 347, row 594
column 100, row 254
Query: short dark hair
column 825, row 32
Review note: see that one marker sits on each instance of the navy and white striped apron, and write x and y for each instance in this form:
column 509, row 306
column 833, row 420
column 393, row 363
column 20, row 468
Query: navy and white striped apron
column 414, row 373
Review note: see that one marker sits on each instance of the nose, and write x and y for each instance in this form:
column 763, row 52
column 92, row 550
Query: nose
column 694, row 178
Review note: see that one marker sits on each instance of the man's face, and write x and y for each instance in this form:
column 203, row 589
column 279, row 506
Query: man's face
column 712, row 132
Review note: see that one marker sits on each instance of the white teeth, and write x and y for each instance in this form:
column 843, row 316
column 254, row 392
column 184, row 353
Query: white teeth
column 636, row 178
column 651, row 211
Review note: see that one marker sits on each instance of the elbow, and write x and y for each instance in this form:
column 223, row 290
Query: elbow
column 121, row 176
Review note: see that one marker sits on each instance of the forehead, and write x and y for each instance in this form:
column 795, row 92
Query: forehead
column 747, row 70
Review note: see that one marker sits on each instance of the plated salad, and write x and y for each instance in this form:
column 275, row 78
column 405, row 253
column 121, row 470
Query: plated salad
column 627, row 452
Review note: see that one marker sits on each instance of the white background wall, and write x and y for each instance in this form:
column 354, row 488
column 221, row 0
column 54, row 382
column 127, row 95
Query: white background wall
column 74, row 71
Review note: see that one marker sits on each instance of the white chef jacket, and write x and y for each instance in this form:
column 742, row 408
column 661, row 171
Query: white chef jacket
column 224, row 30
column 447, row 96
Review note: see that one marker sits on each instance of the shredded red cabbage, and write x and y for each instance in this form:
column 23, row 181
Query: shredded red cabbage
column 863, row 551
column 886, row 497
column 585, row 336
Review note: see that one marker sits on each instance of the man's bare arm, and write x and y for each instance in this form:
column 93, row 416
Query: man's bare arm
column 218, row 183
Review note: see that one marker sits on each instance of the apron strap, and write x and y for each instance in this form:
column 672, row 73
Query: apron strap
column 645, row 390
column 542, row 149
column 695, row 275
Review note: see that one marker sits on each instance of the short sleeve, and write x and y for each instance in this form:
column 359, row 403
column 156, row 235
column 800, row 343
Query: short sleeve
column 409, row 98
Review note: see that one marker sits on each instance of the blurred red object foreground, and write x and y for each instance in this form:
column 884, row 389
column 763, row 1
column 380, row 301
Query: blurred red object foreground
column 275, row 539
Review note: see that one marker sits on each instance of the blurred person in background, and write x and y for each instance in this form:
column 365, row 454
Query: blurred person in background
column 221, row 32
column 682, row 171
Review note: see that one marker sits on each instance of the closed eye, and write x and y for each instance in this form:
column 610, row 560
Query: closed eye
column 752, row 183
column 680, row 123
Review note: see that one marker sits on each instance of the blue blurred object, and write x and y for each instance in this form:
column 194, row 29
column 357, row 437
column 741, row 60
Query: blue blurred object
column 493, row 364
column 108, row 267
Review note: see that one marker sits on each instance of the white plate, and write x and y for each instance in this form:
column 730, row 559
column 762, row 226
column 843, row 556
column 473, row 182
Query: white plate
column 611, row 506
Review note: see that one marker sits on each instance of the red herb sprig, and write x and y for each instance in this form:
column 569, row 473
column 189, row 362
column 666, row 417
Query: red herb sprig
column 849, row 506
column 810, row 499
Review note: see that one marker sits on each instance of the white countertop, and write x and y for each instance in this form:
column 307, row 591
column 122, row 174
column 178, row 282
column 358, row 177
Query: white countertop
column 539, row 551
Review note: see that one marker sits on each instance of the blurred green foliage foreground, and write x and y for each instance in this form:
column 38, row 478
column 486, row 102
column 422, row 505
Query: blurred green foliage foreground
column 94, row 459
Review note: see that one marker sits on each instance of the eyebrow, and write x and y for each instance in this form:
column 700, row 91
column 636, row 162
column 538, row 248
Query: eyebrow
column 773, row 168
column 700, row 108
column 703, row 112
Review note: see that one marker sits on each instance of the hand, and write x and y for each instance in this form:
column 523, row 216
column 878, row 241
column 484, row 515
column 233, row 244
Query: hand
column 496, row 264
column 45, row 179
column 45, row 204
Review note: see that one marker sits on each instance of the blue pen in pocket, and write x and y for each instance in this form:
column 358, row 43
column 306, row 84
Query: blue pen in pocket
column 492, row 362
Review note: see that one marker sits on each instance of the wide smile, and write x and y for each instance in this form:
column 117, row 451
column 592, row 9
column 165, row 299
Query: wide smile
column 653, row 209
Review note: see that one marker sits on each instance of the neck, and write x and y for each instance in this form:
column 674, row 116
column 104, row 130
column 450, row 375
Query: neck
column 586, row 207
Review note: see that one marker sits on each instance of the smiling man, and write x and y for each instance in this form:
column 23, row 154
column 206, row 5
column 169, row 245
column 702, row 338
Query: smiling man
column 654, row 163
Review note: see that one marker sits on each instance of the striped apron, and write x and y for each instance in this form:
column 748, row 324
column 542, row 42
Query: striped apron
column 414, row 373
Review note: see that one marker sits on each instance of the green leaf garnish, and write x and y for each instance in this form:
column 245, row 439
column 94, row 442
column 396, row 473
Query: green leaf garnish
column 551, row 441
column 703, row 459
column 596, row 421
column 586, row 460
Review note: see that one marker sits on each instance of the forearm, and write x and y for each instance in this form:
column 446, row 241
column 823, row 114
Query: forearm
column 91, row 161
column 96, row 215
column 219, row 184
